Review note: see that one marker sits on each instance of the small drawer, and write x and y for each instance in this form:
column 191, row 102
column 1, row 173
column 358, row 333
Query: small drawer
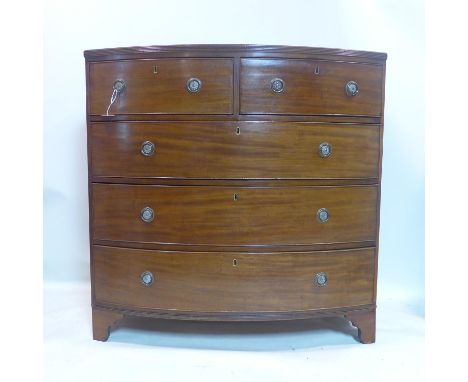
column 307, row 87
column 234, row 216
column 229, row 150
column 161, row 86
column 236, row 282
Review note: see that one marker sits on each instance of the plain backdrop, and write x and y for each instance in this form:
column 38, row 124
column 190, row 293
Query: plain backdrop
column 394, row 27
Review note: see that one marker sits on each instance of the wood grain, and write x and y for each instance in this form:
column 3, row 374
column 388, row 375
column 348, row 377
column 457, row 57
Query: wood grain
column 271, row 230
column 210, row 215
column 202, row 281
column 365, row 322
column 271, row 150
column 306, row 92
column 237, row 248
column 199, row 315
column 222, row 50
column 166, row 91
column 103, row 322
column 235, row 117
column 272, row 182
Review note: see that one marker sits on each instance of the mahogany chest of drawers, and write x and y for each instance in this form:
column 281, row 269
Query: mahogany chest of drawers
column 234, row 182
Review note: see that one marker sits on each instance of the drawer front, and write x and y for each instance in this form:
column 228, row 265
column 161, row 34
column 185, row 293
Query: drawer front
column 234, row 215
column 235, row 150
column 161, row 86
column 282, row 86
column 243, row 282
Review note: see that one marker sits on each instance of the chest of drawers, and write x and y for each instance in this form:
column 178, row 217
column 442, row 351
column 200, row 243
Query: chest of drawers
column 234, row 182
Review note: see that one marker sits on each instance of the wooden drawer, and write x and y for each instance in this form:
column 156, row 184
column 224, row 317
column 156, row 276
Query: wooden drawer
column 220, row 150
column 163, row 92
column 304, row 91
column 213, row 216
column 228, row 281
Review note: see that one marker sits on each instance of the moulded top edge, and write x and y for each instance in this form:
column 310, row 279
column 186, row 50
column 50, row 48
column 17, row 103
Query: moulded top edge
column 119, row 53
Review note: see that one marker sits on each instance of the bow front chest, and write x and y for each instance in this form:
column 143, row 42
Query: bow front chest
column 234, row 182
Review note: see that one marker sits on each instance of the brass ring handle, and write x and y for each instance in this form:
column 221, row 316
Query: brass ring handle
column 194, row 85
column 325, row 149
column 277, row 85
column 117, row 88
column 147, row 214
column 148, row 148
column 146, row 278
column 321, row 279
column 323, row 215
column 352, row 88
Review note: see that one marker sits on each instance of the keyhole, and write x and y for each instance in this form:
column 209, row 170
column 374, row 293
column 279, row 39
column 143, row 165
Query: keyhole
column 317, row 70
column 236, row 197
column 155, row 69
column 237, row 130
column 234, row 263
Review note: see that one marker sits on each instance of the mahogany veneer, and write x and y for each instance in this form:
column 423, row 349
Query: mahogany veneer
column 234, row 182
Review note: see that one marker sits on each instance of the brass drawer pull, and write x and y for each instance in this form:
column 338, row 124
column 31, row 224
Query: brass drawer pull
column 118, row 88
column 323, row 215
column 146, row 278
column 325, row 149
column 321, row 279
column 277, row 85
column 194, row 85
column 236, row 197
column 148, row 148
column 147, row 214
column 352, row 88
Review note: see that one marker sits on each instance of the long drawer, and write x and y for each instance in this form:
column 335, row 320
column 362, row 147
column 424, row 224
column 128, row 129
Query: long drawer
column 243, row 282
column 235, row 150
column 162, row 86
column 310, row 87
column 234, row 215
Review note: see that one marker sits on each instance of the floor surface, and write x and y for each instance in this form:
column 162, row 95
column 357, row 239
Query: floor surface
column 160, row 350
